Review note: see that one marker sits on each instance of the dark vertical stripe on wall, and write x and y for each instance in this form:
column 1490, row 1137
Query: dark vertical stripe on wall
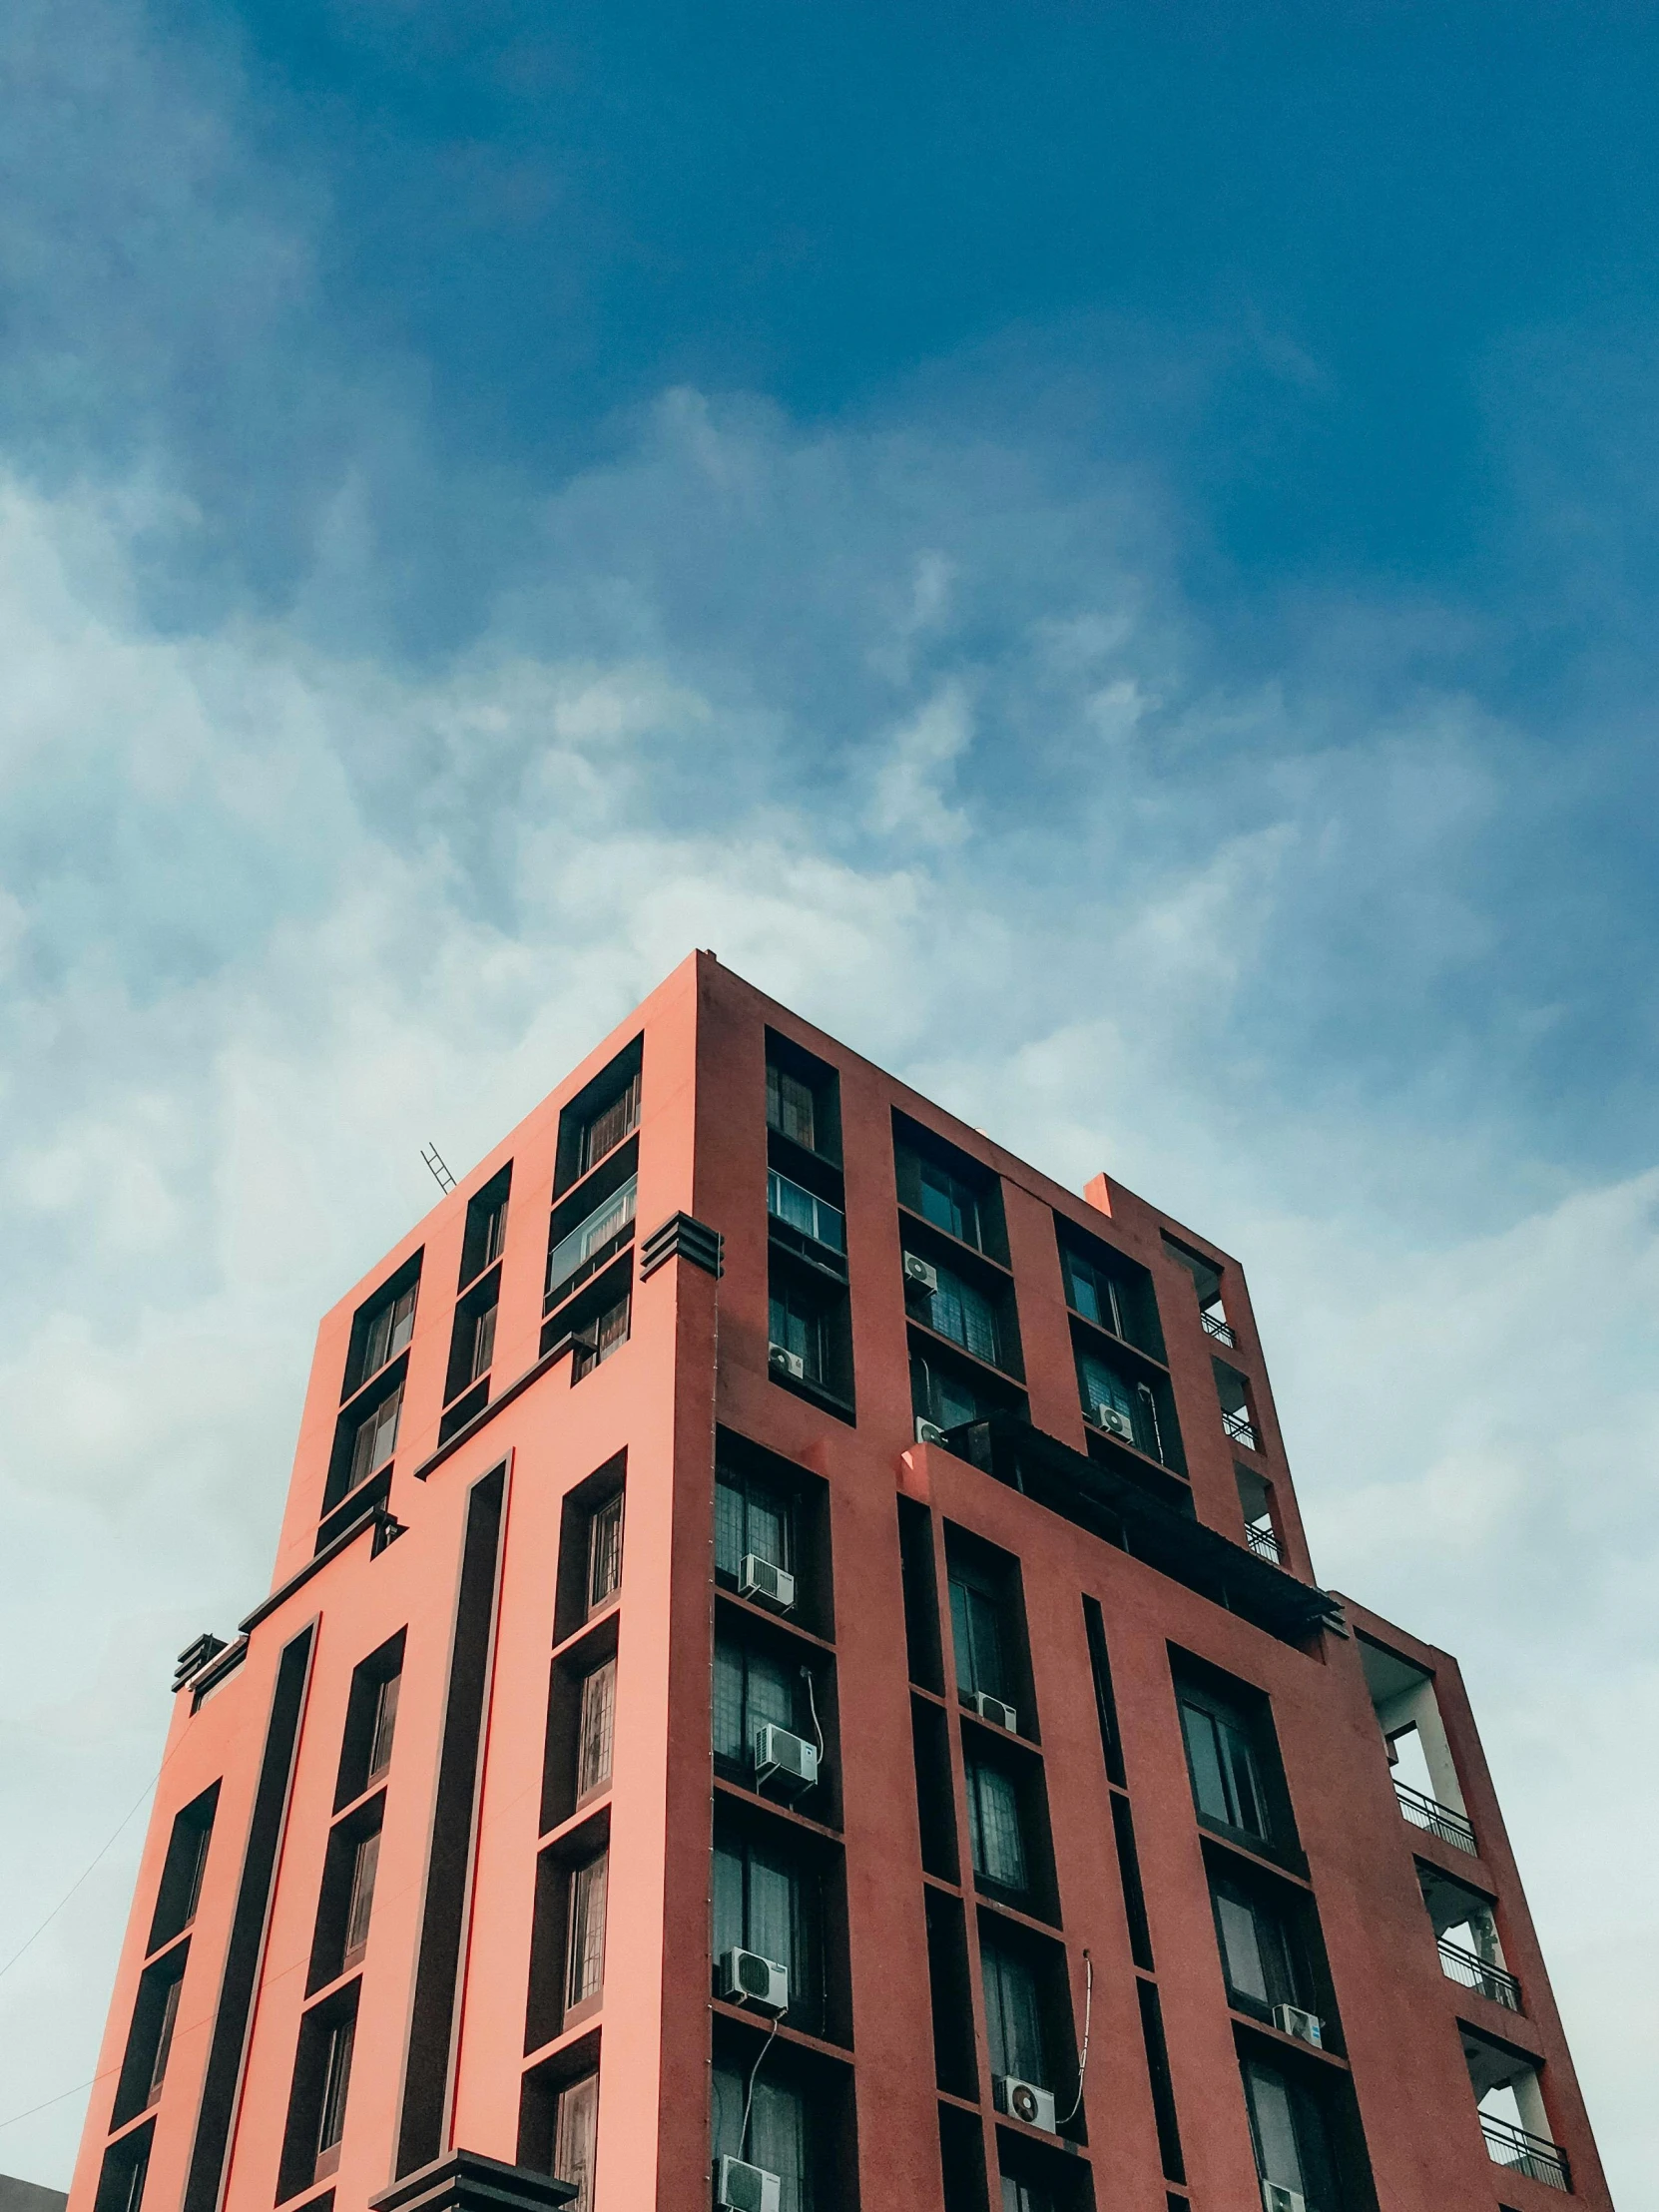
column 246, row 1948
column 1129, row 1873
column 443, row 1917
column 1105, row 1704
column 1163, row 2089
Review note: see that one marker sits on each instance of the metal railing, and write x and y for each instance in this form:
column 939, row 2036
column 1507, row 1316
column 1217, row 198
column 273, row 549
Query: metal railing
column 1532, row 2155
column 1439, row 1819
column 1217, row 1327
column 1475, row 1972
column 1237, row 1427
column 1265, row 1545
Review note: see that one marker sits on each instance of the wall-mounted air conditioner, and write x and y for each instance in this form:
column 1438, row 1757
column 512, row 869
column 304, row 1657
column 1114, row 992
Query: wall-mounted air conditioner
column 765, row 1585
column 1308, row 2028
column 1023, row 2100
column 748, row 1978
column 993, row 1709
column 1115, row 1421
column 929, row 1432
column 1276, row 2198
column 743, row 2188
column 784, row 1759
column 921, row 1275
column 783, row 1362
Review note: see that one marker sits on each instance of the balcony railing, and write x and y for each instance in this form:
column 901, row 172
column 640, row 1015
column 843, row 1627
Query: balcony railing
column 1237, row 1427
column 1439, row 1819
column 1475, row 1972
column 1218, row 1329
column 1512, row 2146
column 1265, row 1545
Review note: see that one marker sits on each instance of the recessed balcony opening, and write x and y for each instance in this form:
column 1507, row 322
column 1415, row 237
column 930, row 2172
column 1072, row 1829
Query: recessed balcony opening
column 1238, row 1414
column 1256, row 1502
column 1419, row 1752
column 1510, row 2106
column 1465, row 1930
column 1212, row 1311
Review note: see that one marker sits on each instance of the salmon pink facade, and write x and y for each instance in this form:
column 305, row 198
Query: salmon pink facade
column 793, row 1679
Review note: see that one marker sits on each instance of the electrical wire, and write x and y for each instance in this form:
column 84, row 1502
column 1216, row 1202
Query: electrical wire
column 812, row 1702
column 89, row 1865
column 1083, row 2060
column 749, row 2093
column 49, row 2101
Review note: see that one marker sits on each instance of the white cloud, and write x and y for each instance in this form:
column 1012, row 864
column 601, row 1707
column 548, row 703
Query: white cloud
column 277, row 917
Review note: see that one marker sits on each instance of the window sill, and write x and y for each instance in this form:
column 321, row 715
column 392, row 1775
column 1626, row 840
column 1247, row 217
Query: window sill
column 743, row 1795
column 799, row 2037
column 1281, row 2042
column 1032, row 1923
column 764, row 1613
column 1111, row 1340
column 1006, row 1376
column 1290, row 1866
column 795, row 1244
column 828, row 1401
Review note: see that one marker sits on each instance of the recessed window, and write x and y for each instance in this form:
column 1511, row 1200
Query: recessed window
column 595, row 1730
column 767, row 1902
column 365, row 1860
column 609, row 1333
column 484, row 1238
column 576, row 2137
column 753, row 1518
column 150, row 2037
column 605, row 1552
column 994, row 1827
column 336, row 2083
column 1225, row 1784
column 370, row 1721
column 1013, row 2015
column 376, row 1439
column 585, row 1939
column 390, row 1329
column 803, row 1098
column 815, row 1217
column 602, row 1116
column 955, row 1192
column 808, row 1332
column 1290, row 2135
column 183, row 1868
column 775, row 2137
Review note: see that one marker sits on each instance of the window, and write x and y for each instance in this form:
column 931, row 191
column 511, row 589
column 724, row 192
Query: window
column 1225, row 1779
column 370, row 1721
column 122, row 2177
column 493, row 1235
column 389, row 1330
column 752, row 1689
column 600, row 1228
column 765, row 1903
column 1013, row 2015
column 164, row 2041
column 364, row 1860
column 776, row 2135
column 965, row 1314
column 750, row 1516
column 181, row 1870
column 385, row 1724
column 595, row 1730
column 337, row 2081
column 1259, row 1955
column 480, row 1346
column 1290, row 2136
column 575, row 2135
column 979, row 1631
column 605, row 1129
column 813, row 1217
column 585, row 1942
column 796, row 1326
column 948, row 1203
column 792, row 1107
column 376, row 1439
column 604, row 1551
column 946, row 1398
column 1026, row 2197
column 1112, row 1404
column 484, row 1238
column 994, row 1827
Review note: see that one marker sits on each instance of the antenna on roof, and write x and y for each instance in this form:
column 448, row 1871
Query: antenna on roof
column 440, row 1174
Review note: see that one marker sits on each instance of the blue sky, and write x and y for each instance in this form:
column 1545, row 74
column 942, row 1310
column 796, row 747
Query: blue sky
column 1106, row 554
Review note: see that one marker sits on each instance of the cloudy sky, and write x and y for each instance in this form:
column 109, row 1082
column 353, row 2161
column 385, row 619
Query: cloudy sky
column 1106, row 554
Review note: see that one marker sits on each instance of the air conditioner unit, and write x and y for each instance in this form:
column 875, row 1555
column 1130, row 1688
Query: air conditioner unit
column 922, row 1273
column 1276, row 2198
column 787, row 1362
column 788, row 1759
column 765, row 1585
column 1115, row 1421
column 929, row 1432
column 1293, row 2020
column 1023, row 2100
column 992, row 1709
column 743, row 2188
column 748, row 1978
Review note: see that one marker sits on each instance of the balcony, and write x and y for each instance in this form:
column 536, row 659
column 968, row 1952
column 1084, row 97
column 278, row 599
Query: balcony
column 1439, row 1819
column 1242, row 1430
column 1215, row 1327
column 1265, row 1545
column 1532, row 2155
column 1475, row 1972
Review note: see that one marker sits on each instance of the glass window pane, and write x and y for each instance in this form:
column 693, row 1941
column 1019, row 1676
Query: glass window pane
column 1277, row 2155
column 777, row 2139
column 729, row 1741
column 575, row 2135
column 731, row 1921
column 586, row 1961
column 596, row 1728
column 1241, row 1948
column 771, row 1910
column 1204, row 1760
column 731, row 1531
column 1249, row 1810
column 1012, row 2018
column 993, row 1818
column 770, row 1693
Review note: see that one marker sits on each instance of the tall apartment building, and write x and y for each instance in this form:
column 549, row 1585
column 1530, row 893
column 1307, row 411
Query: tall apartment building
column 793, row 1679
